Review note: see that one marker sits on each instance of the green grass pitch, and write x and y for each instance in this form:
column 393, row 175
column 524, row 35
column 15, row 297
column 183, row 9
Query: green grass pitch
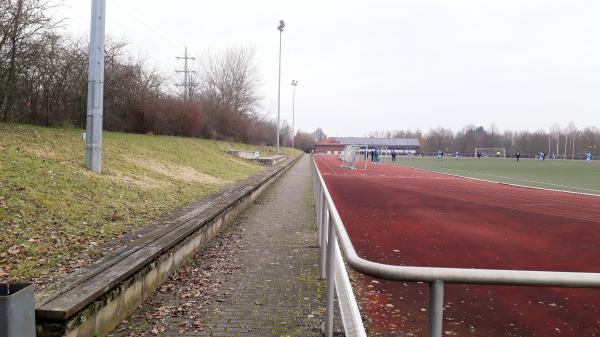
column 568, row 175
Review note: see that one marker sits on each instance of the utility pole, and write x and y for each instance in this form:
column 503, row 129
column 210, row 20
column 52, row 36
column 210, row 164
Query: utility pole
column 187, row 80
column 294, row 84
column 95, row 104
column 280, row 28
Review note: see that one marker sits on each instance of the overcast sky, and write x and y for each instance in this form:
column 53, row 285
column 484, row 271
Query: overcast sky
column 384, row 65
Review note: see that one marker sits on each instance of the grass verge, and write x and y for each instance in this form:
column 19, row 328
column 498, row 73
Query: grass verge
column 566, row 175
column 54, row 214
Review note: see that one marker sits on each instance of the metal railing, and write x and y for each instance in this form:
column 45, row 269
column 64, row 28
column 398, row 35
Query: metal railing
column 331, row 229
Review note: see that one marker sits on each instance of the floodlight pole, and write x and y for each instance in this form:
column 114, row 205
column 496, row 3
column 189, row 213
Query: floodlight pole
column 294, row 84
column 573, row 152
column 95, row 104
column 566, row 143
column 280, row 28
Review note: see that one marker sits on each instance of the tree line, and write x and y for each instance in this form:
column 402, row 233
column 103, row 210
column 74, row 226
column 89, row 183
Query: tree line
column 564, row 142
column 44, row 74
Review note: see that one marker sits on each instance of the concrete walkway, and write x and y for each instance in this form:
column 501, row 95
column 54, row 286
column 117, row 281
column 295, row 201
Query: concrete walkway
column 259, row 278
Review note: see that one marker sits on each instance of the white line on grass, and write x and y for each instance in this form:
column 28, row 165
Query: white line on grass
column 511, row 184
column 527, row 180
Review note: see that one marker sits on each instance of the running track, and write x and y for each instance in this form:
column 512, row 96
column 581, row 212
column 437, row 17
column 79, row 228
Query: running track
column 403, row 216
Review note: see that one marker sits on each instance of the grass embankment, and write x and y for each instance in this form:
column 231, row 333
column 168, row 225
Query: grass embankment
column 567, row 175
column 54, row 214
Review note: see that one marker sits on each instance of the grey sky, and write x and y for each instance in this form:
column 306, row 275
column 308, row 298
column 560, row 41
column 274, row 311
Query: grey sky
column 383, row 65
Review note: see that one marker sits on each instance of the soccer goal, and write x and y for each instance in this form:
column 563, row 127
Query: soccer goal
column 491, row 152
column 385, row 156
column 354, row 157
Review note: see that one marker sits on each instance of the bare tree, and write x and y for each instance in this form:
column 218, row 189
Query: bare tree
column 228, row 93
column 555, row 132
column 438, row 139
column 304, row 141
column 319, row 135
column 230, row 80
column 23, row 23
column 570, row 133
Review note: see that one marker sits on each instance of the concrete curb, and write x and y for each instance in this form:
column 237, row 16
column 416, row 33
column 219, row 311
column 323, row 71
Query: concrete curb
column 99, row 300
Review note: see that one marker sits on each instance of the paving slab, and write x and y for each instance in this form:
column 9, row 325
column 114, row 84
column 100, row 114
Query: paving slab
column 260, row 277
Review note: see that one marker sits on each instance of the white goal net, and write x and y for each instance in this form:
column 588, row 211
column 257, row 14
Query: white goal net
column 354, row 157
column 490, row 152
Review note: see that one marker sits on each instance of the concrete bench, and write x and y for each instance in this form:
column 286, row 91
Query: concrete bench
column 249, row 155
column 272, row 160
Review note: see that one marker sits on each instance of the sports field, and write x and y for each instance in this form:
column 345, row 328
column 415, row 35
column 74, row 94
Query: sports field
column 566, row 175
column 399, row 215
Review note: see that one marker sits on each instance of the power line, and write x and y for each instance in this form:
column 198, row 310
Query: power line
column 132, row 13
column 187, row 84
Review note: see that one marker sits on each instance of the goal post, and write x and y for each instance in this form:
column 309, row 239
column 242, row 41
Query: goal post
column 384, row 155
column 492, row 152
column 354, row 157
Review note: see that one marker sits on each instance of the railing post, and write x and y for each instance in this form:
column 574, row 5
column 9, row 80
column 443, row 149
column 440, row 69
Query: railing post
column 315, row 186
column 435, row 309
column 322, row 216
column 318, row 204
column 320, row 210
column 324, row 239
column 330, row 278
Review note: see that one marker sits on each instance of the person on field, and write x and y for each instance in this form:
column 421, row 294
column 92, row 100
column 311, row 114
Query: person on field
column 518, row 156
column 393, row 155
column 588, row 157
column 439, row 155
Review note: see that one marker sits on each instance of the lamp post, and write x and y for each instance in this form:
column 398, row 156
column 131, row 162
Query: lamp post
column 294, row 84
column 93, row 139
column 280, row 28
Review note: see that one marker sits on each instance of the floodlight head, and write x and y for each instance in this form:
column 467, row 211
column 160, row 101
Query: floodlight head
column 281, row 25
column 294, row 82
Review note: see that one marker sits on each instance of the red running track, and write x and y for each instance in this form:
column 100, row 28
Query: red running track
column 404, row 216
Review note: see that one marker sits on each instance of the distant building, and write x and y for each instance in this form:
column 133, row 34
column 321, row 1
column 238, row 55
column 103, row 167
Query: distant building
column 335, row 145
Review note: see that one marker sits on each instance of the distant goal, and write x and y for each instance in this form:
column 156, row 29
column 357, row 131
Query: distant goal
column 490, row 152
column 354, row 157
